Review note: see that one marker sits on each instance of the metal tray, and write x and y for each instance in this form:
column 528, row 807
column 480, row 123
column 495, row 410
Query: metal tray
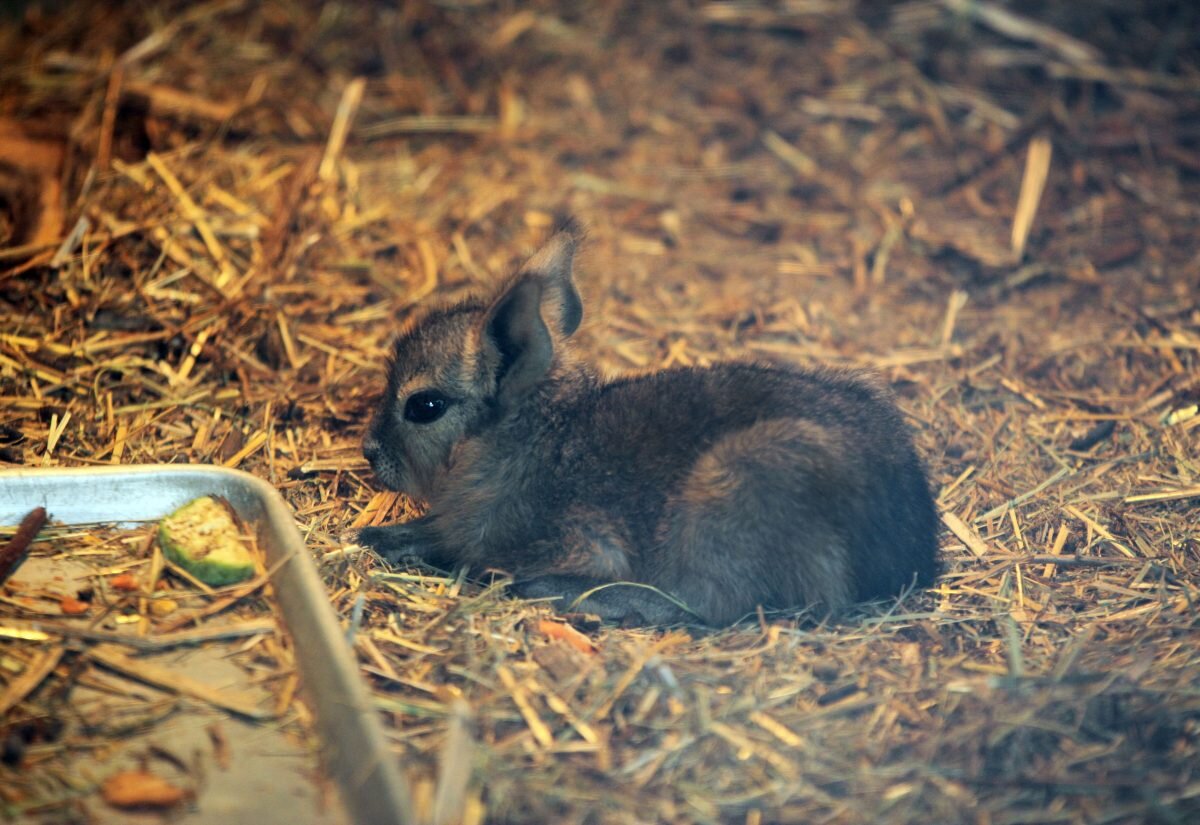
column 354, row 753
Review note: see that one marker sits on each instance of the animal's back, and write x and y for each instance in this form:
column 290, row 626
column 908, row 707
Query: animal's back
column 788, row 468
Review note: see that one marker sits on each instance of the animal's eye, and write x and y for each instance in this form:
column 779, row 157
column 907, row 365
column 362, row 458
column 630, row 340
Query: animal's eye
column 425, row 407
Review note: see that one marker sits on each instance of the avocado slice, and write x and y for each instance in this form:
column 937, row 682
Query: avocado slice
column 203, row 539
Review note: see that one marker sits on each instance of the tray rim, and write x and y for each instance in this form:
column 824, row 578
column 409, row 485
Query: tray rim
column 373, row 790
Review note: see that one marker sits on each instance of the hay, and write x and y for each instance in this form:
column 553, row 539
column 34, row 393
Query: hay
column 266, row 188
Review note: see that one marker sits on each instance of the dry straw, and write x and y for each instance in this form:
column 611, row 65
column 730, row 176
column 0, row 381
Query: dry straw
column 262, row 191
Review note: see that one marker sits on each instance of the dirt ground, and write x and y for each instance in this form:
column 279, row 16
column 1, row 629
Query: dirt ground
column 214, row 215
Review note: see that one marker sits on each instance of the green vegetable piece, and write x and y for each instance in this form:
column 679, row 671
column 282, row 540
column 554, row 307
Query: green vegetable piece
column 203, row 539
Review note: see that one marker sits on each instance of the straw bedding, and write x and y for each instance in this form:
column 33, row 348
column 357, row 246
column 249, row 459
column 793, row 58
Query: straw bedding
column 994, row 205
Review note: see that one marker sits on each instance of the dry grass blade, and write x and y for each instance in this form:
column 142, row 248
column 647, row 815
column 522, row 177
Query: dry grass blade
column 163, row 677
column 159, row 641
column 965, row 534
column 36, row 671
column 1033, row 183
column 1024, row 28
column 351, row 97
column 454, row 767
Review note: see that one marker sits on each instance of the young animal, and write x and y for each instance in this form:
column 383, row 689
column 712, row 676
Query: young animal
column 682, row 495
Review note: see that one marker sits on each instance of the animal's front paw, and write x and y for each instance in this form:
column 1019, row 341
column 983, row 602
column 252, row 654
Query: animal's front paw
column 399, row 544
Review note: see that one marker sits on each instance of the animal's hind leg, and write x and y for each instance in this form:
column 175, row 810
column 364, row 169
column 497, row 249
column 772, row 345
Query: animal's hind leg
column 590, row 573
column 757, row 523
column 622, row 602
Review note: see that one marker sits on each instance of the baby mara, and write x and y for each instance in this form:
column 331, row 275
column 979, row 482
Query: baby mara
column 723, row 488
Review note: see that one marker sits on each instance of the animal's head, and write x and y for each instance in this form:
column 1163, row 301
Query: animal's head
column 457, row 371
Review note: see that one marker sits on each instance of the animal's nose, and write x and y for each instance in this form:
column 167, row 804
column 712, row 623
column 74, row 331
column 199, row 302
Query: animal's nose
column 371, row 448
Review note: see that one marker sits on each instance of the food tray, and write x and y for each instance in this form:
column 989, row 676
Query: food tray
column 354, row 753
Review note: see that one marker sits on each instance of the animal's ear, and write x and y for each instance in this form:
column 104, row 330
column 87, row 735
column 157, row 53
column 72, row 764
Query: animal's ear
column 539, row 304
column 553, row 264
column 522, row 346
